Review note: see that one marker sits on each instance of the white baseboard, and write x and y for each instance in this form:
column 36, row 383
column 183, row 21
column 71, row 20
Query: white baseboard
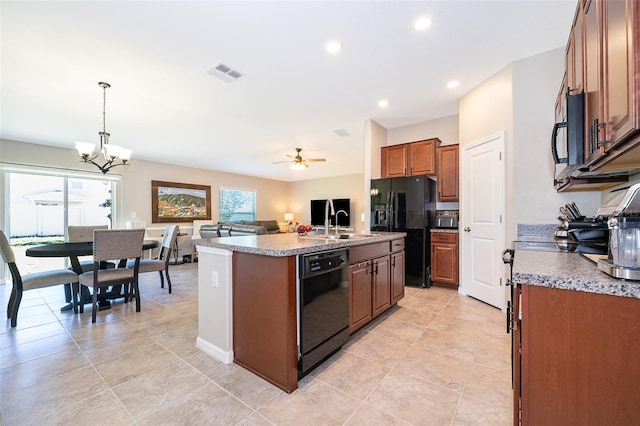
column 226, row 357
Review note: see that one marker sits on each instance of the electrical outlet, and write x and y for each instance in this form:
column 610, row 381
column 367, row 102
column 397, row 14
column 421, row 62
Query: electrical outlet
column 214, row 279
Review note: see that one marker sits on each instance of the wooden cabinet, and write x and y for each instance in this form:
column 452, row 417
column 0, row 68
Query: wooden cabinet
column 448, row 172
column 409, row 159
column 621, row 58
column 576, row 358
column 393, row 161
column 603, row 60
column 444, row 259
column 376, row 280
column 381, row 285
column 397, row 276
column 611, row 63
column 360, row 311
column 422, row 157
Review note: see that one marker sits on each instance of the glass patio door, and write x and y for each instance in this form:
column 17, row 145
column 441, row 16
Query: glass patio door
column 41, row 207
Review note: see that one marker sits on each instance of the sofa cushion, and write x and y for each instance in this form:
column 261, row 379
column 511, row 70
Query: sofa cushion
column 271, row 226
column 209, row 231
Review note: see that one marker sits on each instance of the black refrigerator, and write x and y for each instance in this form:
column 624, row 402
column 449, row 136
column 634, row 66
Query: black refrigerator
column 407, row 204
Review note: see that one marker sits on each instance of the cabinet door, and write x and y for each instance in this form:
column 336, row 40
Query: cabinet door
column 444, row 258
column 393, row 161
column 448, row 173
column 574, row 58
column 422, row 157
column 397, row 277
column 621, row 56
column 593, row 99
column 381, row 284
column 360, row 291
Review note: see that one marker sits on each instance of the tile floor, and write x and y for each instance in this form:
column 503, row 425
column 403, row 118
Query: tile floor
column 438, row 358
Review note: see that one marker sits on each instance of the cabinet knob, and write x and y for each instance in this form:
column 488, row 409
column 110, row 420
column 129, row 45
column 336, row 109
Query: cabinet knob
column 467, row 229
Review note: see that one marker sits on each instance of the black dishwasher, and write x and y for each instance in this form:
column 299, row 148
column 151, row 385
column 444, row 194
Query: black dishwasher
column 323, row 307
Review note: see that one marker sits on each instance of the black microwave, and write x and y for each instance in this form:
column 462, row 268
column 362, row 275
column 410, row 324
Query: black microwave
column 570, row 135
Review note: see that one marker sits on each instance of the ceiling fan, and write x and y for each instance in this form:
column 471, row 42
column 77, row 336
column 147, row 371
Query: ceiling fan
column 300, row 163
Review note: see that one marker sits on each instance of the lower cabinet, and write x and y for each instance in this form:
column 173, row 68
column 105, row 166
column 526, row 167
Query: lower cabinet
column 397, row 276
column 376, row 281
column 575, row 358
column 444, row 259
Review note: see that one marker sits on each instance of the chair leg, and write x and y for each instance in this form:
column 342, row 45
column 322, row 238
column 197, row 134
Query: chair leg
column 75, row 290
column 166, row 272
column 134, row 283
column 14, row 308
column 80, row 295
column 12, row 299
column 161, row 280
column 94, row 308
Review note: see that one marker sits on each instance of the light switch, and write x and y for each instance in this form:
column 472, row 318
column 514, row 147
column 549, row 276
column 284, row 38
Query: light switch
column 214, row 279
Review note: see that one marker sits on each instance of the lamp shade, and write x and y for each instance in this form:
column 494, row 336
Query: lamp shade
column 288, row 216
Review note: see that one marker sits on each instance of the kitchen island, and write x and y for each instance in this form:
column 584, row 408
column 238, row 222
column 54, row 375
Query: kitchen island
column 247, row 297
column 576, row 339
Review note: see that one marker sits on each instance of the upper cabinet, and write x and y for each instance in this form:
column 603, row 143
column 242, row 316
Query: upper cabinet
column 409, row 159
column 422, row 157
column 394, row 160
column 448, row 173
column 603, row 61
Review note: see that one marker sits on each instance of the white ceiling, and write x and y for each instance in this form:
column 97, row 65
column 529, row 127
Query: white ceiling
column 164, row 105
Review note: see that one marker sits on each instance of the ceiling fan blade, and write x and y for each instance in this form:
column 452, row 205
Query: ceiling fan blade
column 315, row 160
column 286, row 161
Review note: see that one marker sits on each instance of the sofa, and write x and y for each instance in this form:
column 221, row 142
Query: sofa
column 244, row 227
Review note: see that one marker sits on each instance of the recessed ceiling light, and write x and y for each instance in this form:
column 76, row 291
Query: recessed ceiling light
column 383, row 103
column 422, row 23
column 333, row 46
column 453, row 84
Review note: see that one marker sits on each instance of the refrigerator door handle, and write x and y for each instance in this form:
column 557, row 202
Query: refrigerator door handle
column 391, row 220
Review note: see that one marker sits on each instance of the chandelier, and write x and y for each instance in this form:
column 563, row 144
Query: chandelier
column 114, row 155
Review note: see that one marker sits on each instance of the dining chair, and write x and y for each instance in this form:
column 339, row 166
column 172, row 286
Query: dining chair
column 113, row 244
column 161, row 263
column 32, row 281
column 84, row 234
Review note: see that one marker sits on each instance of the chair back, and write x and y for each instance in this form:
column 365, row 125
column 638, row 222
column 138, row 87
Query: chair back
column 109, row 244
column 170, row 235
column 5, row 249
column 82, row 234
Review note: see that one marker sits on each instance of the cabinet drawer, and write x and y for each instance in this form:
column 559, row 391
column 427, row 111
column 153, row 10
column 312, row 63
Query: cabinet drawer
column 444, row 237
column 397, row 245
column 368, row 251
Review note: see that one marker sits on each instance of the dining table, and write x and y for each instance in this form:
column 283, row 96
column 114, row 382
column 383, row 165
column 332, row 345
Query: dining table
column 75, row 250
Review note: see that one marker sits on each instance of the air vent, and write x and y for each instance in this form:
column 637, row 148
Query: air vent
column 342, row 133
column 225, row 73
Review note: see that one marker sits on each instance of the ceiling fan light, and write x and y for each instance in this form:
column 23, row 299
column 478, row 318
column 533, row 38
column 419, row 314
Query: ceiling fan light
column 297, row 166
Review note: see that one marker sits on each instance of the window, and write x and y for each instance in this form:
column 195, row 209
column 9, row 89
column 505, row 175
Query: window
column 237, row 204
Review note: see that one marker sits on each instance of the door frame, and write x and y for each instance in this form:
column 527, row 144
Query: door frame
column 465, row 272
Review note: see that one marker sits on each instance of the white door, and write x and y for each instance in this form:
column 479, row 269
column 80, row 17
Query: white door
column 482, row 220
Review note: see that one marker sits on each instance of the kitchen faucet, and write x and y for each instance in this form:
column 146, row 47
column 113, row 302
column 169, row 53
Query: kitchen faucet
column 326, row 215
column 338, row 226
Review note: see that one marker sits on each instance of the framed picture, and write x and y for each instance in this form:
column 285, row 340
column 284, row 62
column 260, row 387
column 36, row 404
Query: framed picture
column 179, row 202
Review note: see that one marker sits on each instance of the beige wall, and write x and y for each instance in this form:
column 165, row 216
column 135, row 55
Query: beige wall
column 348, row 186
column 536, row 82
column 134, row 192
column 273, row 199
column 445, row 129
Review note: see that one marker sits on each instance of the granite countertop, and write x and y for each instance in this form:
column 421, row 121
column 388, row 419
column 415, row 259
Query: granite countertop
column 445, row 230
column 568, row 271
column 290, row 244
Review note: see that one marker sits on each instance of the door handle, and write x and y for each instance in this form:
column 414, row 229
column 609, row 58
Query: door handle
column 467, row 229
